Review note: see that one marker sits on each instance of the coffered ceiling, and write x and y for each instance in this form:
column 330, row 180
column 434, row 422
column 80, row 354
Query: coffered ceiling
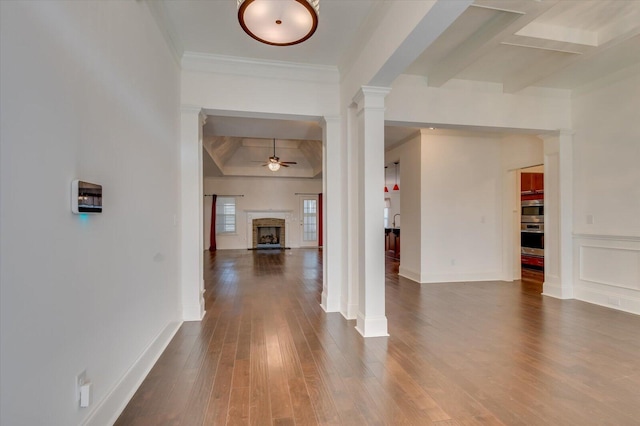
column 559, row 44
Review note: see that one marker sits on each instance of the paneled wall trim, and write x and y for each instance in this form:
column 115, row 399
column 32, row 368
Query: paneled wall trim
column 607, row 270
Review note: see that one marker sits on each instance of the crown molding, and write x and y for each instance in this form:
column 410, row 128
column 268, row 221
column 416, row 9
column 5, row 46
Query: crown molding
column 221, row 64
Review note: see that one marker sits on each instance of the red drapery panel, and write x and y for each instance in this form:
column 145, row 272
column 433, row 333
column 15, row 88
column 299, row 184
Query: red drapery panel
column 320, row 220
column 212, row 234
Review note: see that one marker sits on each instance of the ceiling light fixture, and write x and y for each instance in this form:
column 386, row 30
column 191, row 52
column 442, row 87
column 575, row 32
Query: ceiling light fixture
column 273, row 165
column 279, row 22
column 385, row 180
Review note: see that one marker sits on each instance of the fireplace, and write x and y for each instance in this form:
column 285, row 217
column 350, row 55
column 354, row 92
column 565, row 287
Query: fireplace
column 268, row 233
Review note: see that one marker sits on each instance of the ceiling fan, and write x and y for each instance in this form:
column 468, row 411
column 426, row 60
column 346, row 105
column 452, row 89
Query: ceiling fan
column 274, row 162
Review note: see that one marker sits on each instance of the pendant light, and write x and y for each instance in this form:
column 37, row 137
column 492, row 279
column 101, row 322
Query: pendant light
column 396, row 187
column 385, row 180
column 279, row 22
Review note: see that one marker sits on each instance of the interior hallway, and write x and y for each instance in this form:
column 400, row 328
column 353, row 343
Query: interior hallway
column 458, row 354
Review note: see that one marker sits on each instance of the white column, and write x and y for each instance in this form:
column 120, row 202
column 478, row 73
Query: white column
column 349, row 300
column 371, row 320
column 558, row 222
column 191, row 214
column 333, row 213
column 412, row 204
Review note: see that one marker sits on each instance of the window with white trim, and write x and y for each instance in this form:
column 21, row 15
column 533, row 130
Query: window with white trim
column 226, row 215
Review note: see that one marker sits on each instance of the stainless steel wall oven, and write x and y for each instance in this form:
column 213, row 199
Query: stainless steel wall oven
column 532, row 233
column 532, row 211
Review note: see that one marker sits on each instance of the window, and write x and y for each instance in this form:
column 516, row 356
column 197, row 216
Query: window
column 225, row 215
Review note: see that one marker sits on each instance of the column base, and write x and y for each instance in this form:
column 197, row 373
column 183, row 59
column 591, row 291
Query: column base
column 372, row 326
column 557, row 291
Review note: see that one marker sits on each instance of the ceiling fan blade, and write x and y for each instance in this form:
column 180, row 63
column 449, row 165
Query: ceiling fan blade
column 283, row 165
column 288, row 162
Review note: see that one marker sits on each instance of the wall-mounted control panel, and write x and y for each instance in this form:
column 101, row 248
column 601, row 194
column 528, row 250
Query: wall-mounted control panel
column 86, row 197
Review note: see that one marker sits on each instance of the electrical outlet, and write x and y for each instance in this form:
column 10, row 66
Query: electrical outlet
column 589, row 219
column 81, row 379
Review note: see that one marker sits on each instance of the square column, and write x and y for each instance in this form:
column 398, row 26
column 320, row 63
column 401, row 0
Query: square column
column 334, row 214
column 349, row 300
column 192, row 274
column 558, row 218
column 371, row 318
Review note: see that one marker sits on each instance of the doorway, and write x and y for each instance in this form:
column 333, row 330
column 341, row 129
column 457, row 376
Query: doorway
column 309, row 221
column 532, row 227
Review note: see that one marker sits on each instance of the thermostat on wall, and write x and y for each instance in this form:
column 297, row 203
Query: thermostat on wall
column 86, row 197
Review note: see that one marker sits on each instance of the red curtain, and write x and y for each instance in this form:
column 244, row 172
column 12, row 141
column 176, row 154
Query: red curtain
column 212, row 234
column 320, row 220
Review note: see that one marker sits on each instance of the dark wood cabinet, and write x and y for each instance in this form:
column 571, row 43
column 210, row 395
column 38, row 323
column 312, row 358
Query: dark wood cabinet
column 532, row 182
column 392, row 242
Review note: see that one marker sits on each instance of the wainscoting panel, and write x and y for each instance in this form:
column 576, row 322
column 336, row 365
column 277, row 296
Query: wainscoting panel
column 607, row 271
column 611, row 266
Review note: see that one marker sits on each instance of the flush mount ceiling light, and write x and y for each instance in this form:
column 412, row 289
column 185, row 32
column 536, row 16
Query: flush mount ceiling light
column 279, row 22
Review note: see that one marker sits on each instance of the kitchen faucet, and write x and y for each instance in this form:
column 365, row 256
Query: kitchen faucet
column 393, row 225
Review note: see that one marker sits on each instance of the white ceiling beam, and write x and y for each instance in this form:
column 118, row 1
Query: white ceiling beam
column 434, row 23
column 559, row 33
column 393, row 39
column 465, row 54
column 538, row 71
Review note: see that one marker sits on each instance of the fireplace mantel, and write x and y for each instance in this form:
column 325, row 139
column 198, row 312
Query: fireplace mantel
column 287, row 215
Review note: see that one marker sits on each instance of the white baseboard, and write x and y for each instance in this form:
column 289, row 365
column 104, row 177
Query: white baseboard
column 107, row 411
column 409, row 274
column 610, row 299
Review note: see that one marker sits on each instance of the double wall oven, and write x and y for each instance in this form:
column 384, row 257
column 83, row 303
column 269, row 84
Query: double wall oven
column 532, row 233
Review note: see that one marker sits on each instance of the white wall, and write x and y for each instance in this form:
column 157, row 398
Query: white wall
column 468, row 103
column 457, row 202
column 522, row 151
column 90, row 91
column 259, row 194
column 222, row 84
column 607, row 194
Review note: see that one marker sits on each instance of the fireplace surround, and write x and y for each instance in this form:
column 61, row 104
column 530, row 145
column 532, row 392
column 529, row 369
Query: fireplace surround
column 269, row 219
column 268, row 233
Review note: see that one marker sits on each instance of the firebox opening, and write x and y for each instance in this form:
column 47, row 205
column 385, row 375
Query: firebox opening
column 268, row 237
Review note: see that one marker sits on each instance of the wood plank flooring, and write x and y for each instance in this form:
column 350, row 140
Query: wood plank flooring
column 458, row 354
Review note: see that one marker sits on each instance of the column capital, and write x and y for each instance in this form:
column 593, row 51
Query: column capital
column 202, row 118
column 371, row 97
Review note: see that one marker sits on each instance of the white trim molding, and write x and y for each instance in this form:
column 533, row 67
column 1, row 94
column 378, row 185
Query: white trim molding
column 221, row 64
column 607, row 271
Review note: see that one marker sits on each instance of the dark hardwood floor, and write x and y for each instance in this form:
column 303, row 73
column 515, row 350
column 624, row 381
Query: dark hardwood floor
column 458, row 354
